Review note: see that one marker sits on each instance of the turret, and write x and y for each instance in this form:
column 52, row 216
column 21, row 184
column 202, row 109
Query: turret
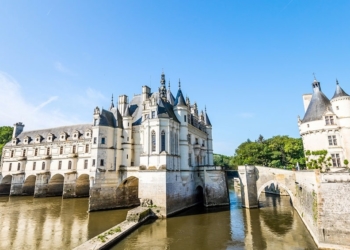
column 340, row 102
column 208, row 127
column 17, row 129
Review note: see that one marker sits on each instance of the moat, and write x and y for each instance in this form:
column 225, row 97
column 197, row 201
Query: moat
column 56, row 223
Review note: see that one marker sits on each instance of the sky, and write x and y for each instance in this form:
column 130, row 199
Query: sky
column 248, row 62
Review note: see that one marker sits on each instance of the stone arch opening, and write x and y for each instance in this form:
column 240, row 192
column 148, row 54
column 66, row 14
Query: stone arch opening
column 29, row 185
column 199, row 195
column 276, row 188
column 55, row 185
column 5, row 185
column 128, row 192
column 82, row 186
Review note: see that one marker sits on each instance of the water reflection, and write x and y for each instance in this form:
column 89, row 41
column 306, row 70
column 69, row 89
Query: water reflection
column 53, row 223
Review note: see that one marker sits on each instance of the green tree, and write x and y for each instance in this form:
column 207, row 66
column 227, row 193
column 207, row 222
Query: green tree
column 318, row 160
column 5, row 136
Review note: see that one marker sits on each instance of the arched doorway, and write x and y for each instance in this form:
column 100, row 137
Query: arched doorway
column 55, row 185
column 82, row 186
column 5, row 185
column 29, row 185
column 199, row 195
column 128, row 192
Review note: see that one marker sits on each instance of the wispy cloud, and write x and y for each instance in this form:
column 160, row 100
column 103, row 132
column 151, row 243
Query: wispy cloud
column 246, row 115
column 94, row 94
column 15, row 108
column 63, row 69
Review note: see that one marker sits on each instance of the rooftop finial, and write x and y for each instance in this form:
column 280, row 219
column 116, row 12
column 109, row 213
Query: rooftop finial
column 112, row 104
column 179, row 84
column 112, row 98
column 314, row 77
column 169, row 84
column 336, row 79
column 205, row 108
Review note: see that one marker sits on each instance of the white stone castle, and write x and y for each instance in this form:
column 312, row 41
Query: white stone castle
column 112, row 157
column 326, row 124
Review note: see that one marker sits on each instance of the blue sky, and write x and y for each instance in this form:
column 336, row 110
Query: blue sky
column 249, row 62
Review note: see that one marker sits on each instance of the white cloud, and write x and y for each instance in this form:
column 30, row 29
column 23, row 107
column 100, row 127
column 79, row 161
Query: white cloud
column 61, row 68
column 14, row 108
column 246, row 115
column 94, row 94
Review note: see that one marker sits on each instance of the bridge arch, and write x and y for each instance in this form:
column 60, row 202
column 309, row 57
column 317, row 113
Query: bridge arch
column 29, row 185
column 55, row 185
column 276, row 183
column 5, row 185
column 82, row 185
column 128, row 192
column 199, row 194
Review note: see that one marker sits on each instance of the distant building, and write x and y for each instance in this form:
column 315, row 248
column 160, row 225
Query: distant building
column 326, row 123
column 153, row 132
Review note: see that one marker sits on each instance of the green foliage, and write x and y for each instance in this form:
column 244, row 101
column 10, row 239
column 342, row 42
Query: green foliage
column 223, row 160
column 278, row 151
column 346, row 162
column 5, row 136
column 318, row 160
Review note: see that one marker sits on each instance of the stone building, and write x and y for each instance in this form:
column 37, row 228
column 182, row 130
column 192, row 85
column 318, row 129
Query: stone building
column 326, row 123
column 155, row 147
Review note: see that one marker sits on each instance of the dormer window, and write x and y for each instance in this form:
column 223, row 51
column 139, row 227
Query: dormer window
column 26, row 140
column 88, row 134
column 14, row 141
column 329, row 120
column 63, row 136
column 76, row 135
column 38, row 139
column 49, row 137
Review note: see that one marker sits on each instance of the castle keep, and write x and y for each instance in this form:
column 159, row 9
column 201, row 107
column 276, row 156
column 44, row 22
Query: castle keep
column 156, row 148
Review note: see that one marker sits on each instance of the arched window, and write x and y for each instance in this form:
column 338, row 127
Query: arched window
column 153, row 140
column 61, row 150
column 70, row 165
column 43, row 166
column 48, row 151
column 87, row 148
column 36, row 152
column 18, row 166
column 163, row 141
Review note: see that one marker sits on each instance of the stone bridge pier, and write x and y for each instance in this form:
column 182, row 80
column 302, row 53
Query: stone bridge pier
column 322, row 200
column 17, row 184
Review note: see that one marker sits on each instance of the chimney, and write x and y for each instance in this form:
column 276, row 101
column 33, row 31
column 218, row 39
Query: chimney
column 17, row 129
column 145, row 92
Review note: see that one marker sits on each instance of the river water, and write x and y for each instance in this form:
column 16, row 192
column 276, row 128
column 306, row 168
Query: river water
column 55, row 223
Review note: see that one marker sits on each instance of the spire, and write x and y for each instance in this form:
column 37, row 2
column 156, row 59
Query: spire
column 112, row 104
column 179, row 84
column 127, row 111
column 180, row 100
column 339, row 91
column 162, row 88
column 206, row 118
column 316, row 85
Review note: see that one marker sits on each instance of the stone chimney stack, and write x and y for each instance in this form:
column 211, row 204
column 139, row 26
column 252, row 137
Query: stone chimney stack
column 17, row 129
column 145, row 92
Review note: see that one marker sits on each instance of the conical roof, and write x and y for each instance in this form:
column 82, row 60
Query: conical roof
column 206, row 119
column 179, row 100
column 318, row 105
column 339, row 92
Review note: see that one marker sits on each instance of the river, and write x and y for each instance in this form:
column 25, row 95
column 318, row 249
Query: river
column 55, row 223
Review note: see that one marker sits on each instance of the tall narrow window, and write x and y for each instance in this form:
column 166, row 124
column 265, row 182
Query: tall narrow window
column 85, row 164
column 102, row 162
column 332, row 140
column 153, row 140
column 12, row 153
column 189, row 138
column 95, row 140
column 103, row 140
column 18, row 166
column 163, row 141
column 59, row 165
column 36, row 152
column 93, row 162
column 87, row 148
column 176, row 144
column 43, row 166
column 74, row 149
column 24, row 152
column 335, row 160
column 189, row 160
column 153, row 114
column 34, row 165
column 184, row 118
column 48, row 151
column 329, row 120
column 10, row 166
column 61, row 150
column 70, row 165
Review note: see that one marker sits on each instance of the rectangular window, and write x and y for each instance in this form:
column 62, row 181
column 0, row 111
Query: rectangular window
column 34, row 165
column 74, row 149
column 189, row 138
column 61, row 150
column 102, row 162
column 85, row 164
column 70, row 165
column 103, row 140
column 93, row 162
column 189, row 159
column 336, row 160
column 10, row 166
column 59, row 165
column 95, row 140
column 153, row 114
column 12, row 153
column 87, row 148
column 18, row 166
column 24, row 153
column 332, row 140
column 48, row 151
column 36, row 152
column 329, row 120
column 184, row 118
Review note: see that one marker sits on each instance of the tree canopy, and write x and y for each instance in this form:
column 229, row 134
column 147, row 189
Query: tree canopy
column 5, row 136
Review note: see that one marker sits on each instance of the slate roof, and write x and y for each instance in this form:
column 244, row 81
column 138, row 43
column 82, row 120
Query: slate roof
column 206, row 119
column 82, row 128
column 135, row 109
column 117, row 118
column 165, row 110
column 339, row 92
column 318, row 105
column 180, row 100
